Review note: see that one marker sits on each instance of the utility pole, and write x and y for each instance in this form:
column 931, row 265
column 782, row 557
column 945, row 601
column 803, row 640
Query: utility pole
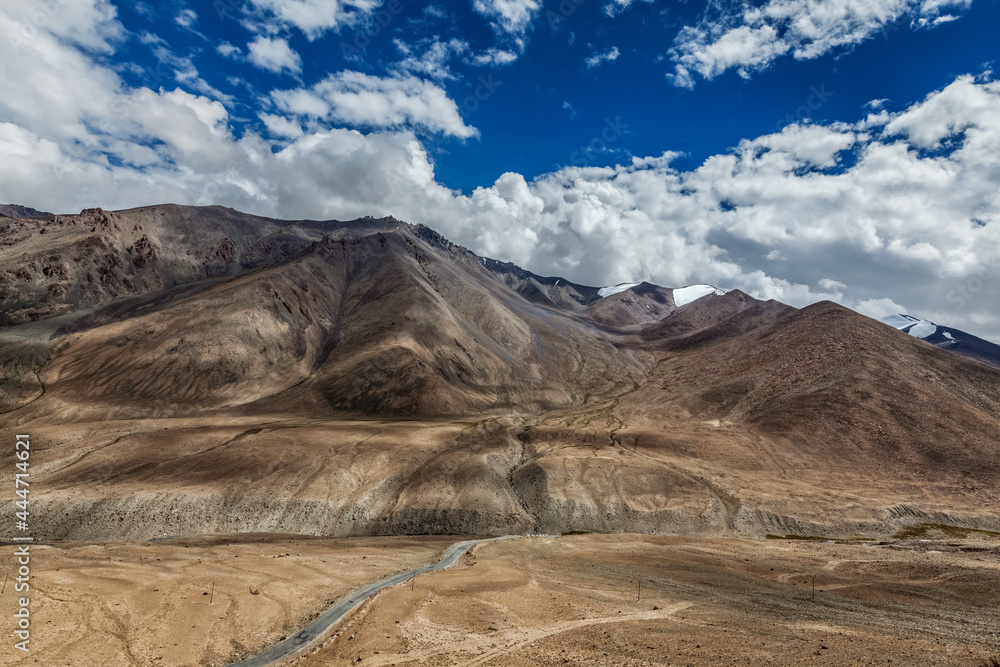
column 413, row 581
column 6, row 574
column 638, row 595
column 814, row 587
column 213, row 594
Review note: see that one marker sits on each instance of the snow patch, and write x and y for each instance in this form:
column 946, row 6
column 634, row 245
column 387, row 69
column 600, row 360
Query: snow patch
column 683, row 295
column 899, row 321
column 922, row 329
column 948, row 335
column 911, row 325
column 615, row 289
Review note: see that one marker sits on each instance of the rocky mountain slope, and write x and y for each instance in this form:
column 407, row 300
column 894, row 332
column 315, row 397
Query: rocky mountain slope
column 18, row 211
column 190, row 370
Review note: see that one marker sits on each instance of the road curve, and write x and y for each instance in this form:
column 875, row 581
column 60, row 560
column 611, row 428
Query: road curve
column 323, row 622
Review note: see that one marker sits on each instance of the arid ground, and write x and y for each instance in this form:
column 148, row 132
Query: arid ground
column 927, row 599
column 198, row 371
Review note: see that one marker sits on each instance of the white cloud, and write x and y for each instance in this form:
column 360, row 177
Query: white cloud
column 56, row 89
column 433, row 61
column 186, row 18
column 494, row 57
column 301, row 102
column 598, row 58
column 92, row 24
column 508, row 16
column 313, row 17
column 281, row 126
column 227, row 50
column 436, row 11
column 962, row 106
column 745, row 48
column 753, row 37
column 274, row 55
column 805, row 145
column 616, row 7
column 194, row 129
column 876, row 105
column 183, row 68
column 879, row 308
column 371, row 101
column 832, row 286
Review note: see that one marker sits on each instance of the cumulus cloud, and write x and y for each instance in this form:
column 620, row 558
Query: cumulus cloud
column 598, row 58
column 92, row 24
column 895, row 212
column 753, row 37
column 965, row 106
column 879, row 308
column 274, row 55
column 281, row 126
column 370, row 101
column 508, row 16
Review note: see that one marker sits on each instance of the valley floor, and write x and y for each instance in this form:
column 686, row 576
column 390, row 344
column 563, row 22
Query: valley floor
column 529, row 601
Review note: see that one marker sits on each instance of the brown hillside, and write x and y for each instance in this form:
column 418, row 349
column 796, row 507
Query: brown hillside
column 186, row 370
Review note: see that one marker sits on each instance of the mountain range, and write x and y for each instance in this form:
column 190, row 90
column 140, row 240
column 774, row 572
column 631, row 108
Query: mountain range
column 200, row 370
column 947, row 338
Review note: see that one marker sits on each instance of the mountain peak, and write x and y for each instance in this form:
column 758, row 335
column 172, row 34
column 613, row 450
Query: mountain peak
column 18, row 211
column 911, row 325
column 685, row 295
column 946, row 338
column 615, row 289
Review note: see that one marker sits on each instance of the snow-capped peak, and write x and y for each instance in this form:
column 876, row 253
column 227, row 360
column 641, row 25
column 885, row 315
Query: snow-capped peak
column 947, row 338
column 911, row 325
column 683, row 295
column 615, row 289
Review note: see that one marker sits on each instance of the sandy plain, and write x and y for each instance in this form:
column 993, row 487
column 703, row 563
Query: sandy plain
column 152, row 603
column 928, row 599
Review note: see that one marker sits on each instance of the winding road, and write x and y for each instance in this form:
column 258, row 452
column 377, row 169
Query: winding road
column 324, row 621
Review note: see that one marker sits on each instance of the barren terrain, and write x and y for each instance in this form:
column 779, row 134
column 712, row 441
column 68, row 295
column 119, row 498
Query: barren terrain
column 198, row 371
column 595, row 468
column 152, row 603
column 929, row 599
column 703, row 602
column 201, row 371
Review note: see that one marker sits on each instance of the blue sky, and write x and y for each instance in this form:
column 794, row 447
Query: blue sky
column 549, row 104
column 795, row 149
